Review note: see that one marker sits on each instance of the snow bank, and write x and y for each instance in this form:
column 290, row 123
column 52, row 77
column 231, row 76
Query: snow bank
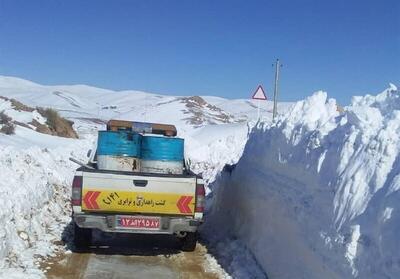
column 210, row 147
column 316, row 195
column 35, row 181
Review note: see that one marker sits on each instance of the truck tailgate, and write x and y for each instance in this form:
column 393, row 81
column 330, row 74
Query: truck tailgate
column 111, row 192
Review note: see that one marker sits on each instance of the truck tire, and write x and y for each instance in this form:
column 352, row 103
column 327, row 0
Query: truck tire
column 189, row 242
column 82, row 237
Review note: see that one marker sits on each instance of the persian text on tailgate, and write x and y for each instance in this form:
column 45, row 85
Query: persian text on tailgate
column 108, row 200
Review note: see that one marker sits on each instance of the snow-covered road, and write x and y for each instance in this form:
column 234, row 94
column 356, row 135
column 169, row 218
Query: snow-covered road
column 134, row 256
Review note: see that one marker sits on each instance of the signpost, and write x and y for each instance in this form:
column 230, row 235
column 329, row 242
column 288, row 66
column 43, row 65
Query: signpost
column 259, row 94
column 275, row 111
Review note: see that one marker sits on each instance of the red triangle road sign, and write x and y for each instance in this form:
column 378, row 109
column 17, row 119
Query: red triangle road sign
column 259, row 94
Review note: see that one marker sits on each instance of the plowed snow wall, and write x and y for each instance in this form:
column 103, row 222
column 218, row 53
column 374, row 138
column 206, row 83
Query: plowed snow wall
column 316, row 195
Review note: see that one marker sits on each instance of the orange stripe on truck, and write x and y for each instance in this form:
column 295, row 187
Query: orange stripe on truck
column 183, row 204
column 90, row 199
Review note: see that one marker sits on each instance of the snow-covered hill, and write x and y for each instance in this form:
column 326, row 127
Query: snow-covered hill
column 82, row 102
column 90, row 107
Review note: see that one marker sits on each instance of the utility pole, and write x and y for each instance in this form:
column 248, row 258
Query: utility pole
column 275, row 110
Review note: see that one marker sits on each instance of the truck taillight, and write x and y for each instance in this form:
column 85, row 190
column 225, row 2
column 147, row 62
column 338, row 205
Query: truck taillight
column 76, row 198
column 200, row 197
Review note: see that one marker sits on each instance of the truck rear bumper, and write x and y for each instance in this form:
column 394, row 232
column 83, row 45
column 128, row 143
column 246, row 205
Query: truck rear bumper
column 106, row 223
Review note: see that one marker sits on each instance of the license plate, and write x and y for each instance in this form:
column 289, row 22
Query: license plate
column 139, row 222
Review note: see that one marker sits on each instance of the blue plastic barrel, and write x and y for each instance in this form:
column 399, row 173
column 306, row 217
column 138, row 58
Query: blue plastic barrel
column 162, row 148
column 119, row 143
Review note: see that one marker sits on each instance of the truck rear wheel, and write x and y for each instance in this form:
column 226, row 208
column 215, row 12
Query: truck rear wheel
column 82, row 237
column 189, row 242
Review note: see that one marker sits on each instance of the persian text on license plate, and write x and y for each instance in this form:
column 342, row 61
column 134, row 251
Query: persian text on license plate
column 138, row 222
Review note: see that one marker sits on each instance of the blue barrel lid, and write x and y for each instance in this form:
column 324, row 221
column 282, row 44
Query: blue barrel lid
column 162, row 148
column 119, row 143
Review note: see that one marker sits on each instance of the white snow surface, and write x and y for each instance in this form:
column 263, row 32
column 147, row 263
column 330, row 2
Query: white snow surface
column 35, row 173
column 316, row 194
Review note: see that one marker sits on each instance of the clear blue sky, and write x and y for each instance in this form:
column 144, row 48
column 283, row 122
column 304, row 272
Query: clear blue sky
column 222, row 48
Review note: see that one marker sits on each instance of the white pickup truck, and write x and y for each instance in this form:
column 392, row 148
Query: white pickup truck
column 141, row 203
